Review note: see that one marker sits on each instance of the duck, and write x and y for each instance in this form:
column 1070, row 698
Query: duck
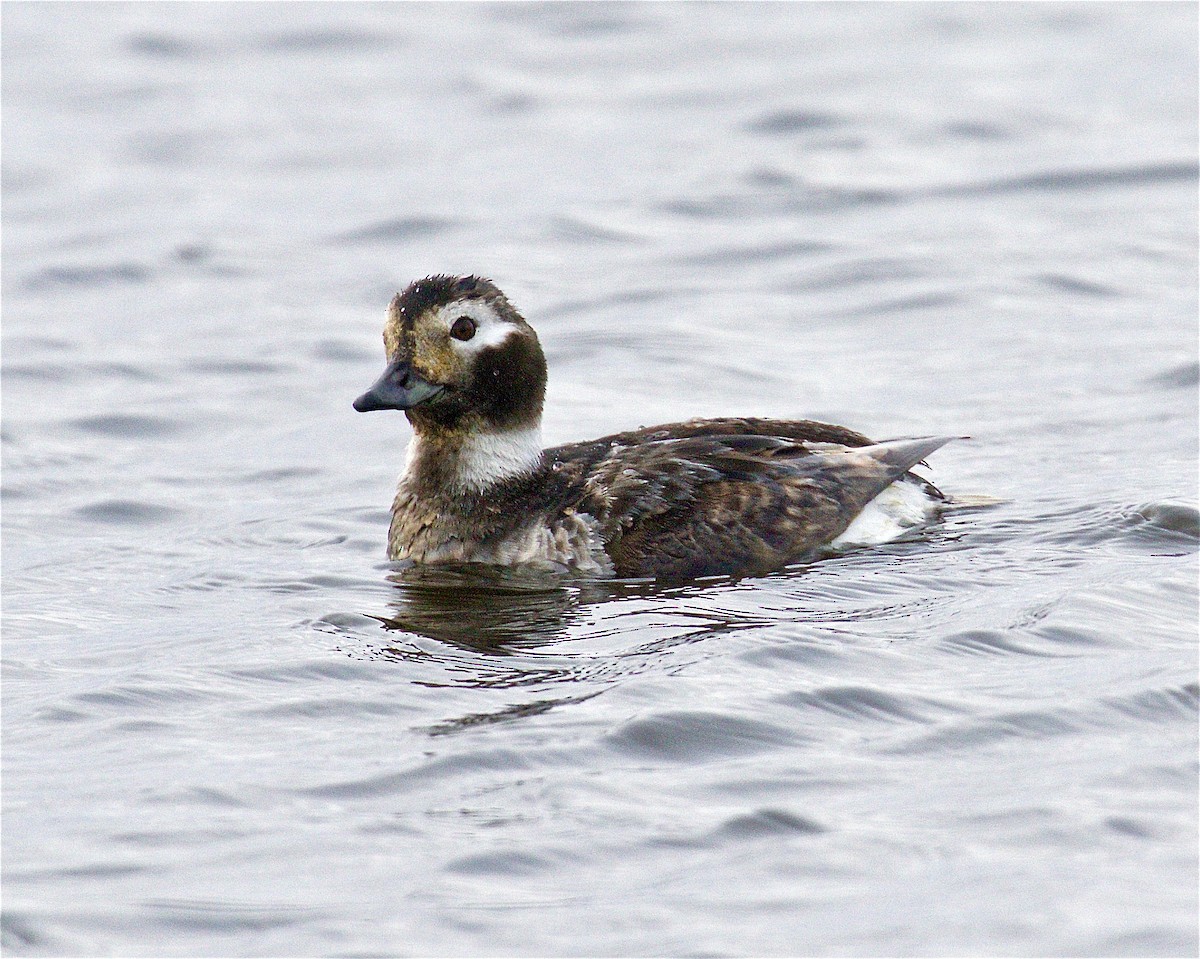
column 733, row 496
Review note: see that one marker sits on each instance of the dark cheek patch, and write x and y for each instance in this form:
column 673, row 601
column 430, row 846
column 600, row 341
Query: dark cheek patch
column 510, row 382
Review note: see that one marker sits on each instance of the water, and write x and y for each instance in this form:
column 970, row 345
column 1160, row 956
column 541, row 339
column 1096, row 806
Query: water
column 232, row 728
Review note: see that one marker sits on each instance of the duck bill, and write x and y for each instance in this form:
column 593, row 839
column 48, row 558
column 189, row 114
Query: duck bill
column 400, row 388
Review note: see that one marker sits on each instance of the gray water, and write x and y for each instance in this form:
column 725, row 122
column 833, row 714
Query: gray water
column 231, row 727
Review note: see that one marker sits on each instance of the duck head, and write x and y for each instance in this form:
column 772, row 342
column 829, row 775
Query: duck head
column 461, row 359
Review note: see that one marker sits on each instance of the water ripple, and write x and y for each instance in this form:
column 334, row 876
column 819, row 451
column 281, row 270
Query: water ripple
column 787, row 122
column 696, row 736
column 400, row 229
column 128, row 425
column 1094, row 178
column 124, row 512
column 769, row 824
column 67, row 277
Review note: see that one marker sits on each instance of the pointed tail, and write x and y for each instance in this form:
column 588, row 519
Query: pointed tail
column 903, row 455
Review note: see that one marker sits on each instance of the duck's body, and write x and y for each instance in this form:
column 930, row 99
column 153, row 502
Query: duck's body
column 682, row 500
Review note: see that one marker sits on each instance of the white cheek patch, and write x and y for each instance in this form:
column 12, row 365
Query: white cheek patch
column 491, row 329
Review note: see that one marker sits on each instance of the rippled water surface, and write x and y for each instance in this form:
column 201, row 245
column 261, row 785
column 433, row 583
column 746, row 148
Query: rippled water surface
column 232, row 728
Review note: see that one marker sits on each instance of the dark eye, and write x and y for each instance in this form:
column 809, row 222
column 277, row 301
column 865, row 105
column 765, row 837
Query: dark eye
column 463, row 328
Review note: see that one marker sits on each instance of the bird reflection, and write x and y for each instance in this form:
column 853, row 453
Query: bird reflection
column 501, row 611
column 487, row 609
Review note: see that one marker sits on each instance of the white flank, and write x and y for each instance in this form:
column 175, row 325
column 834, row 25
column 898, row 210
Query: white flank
column 487, row 458
column 898, row 509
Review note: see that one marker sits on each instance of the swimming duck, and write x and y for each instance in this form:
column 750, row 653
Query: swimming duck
column 705, row 497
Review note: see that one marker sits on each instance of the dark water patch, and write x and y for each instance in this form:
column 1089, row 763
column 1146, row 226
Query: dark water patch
column 198, row 796
column 57, row 714
column 506, row 715
column 990, row 642
column 352, row 624
column 979, row 131
column 329, row 707
column 1184, row 376
column 873, row 705
column 289, row 672
column 192, row 253
column 124, row 512
column 1176, row 518
column 634, row 296
column 1081, row 637
column 22, row 178
column 280, row 475
column 906, row 304
column 769, row 177
column 128, row 425
column 170, row 838
column 802, row 650
column 446, row 767
column 871, row 271
column 155, row 726
column 399, row 229
column 585, row 21
column 99, row 870
column 513, row 104
column 1128, row 826
column 167, row 149
column 1156, row 705
column 794, row 200
column 988, row 730
column 573, row 229
column 68, row 277
column 143, row 696
column 1166, row 525
column 1074, row 286
column 792, row 121
column 19, row 932
column 237, row 367
column 343, row 351
column 195, row 915
column 756, row 254
column 1147, row 940
column 33, row 343
column 285, row 587
column 115, row 369
column 512, row 863
column 458, row 673
column 830, row 198
column 770, row 824
column 56, row 372
column 389, row 827
column 696, row 736
column 1056, row 181
column 162, row 46
column 325, row 40
column 39, row 372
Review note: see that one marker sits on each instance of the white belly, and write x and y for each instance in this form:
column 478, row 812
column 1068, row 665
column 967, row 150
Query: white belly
column 901, row 507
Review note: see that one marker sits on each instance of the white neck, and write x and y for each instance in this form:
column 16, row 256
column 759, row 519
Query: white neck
column 483, row 459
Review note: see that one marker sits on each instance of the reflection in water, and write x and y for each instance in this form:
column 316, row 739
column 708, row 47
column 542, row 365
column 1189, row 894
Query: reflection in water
column 507, row 714
column 506, row 612
column 484, row 609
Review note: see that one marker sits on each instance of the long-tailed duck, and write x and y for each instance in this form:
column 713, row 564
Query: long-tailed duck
column 705, row 497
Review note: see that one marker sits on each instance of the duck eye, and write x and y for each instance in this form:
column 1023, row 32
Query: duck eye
column 463, row 328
